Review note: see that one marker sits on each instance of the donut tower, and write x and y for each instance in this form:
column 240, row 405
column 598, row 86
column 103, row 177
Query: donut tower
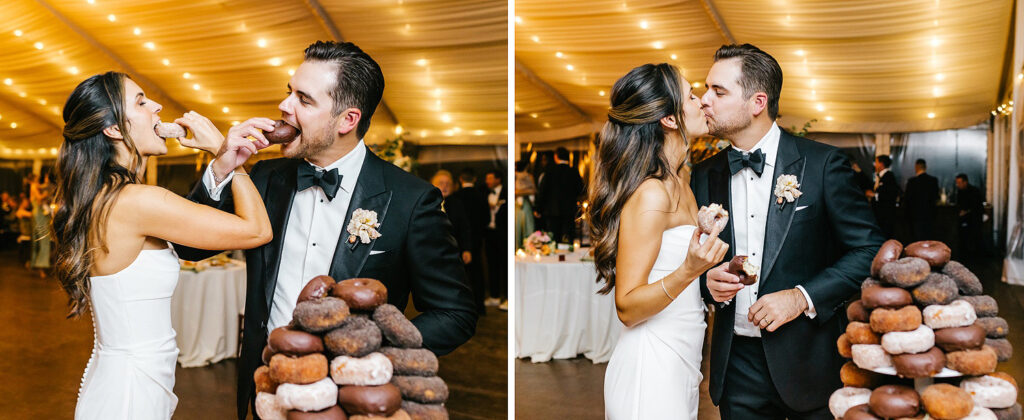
column 348, row 354
column 921, row 316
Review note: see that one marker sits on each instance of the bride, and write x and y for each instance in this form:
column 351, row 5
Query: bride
column 111, row 236
column 647, row 247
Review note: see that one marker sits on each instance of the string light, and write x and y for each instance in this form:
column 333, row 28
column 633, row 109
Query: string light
column 149, row 45
column 276, row 61
column 820, row 107
column 559, row 54
column 422, row 62
column 535, row 38
column 800, row 52
column 234, row 123
column 398, row 129
column 658, row 45
column 445, row 118
column 73, row 70
column 8, row 82
column 137, row 31
column 22, row 94
column 570, row 67
column 931, row 115
column 186, row 75
column 696, row 85
column 38, row 45
column 519, row 20
column 828, row 118
column 42, row 102
column 644, row 25
column 601, row 93
column 533, row 115
column 478, row 132
column 18, row 32
column 14, row 125
column 940, row 77
column 262, row 43
column 195, row 86
column 674, row 57
column 111, row 17
column 225, row 110
column 291, row 72
column 166, row 62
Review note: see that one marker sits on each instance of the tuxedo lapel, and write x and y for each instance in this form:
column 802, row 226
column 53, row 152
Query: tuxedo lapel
column 720, row 192
column 788, row 162
column 370, row 194
column 278, row 200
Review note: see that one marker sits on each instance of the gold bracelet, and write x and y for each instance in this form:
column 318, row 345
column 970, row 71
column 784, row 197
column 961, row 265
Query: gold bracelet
column 662, row 281
column 241, row 173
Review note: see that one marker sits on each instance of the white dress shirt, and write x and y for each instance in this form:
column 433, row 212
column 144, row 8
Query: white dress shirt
column 494, row 200
column 314, row 226
column 751, row 197
column 878, row 181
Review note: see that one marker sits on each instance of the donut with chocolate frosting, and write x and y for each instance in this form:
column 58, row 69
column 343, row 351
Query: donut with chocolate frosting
column 889, row 251
column 333, row 412
column 379, row 400
column 294, row 343
column 857, row 312
column 282, row 133
column 891, row 401
column 920, row 365
column 885, row 297
column 860, row 412
column 960, row 338
column 934, row 252
column 318, row 287
column 361, row 294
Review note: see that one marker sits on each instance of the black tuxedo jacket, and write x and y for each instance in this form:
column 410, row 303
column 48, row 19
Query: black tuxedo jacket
column 474, row 201
column 420, row 256
column 921, row 196
column 826, row 247
column 888, row 191
column 558, row 191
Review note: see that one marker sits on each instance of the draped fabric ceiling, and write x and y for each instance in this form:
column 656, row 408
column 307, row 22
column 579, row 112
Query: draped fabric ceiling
column 875, row 66
column 444, row 63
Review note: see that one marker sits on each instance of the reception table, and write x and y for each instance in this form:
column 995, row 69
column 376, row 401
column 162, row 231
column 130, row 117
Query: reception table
column 559, row 314
column 205, row 312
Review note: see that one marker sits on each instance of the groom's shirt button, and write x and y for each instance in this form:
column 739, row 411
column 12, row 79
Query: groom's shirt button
column 314, row 243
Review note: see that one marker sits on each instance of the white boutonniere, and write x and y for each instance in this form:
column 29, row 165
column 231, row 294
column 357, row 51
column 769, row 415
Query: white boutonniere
column 787, row 190
column 363, row 226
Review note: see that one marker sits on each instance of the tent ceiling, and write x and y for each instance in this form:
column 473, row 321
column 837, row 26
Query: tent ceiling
column 445, row 65
column 864, row 66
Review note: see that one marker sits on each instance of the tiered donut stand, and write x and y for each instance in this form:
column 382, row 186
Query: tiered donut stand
column 924, row 342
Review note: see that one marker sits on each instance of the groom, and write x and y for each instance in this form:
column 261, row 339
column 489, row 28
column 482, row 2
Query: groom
column 311, row 194
column 773, row 347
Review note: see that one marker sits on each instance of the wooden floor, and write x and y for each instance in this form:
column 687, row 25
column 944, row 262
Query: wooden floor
column 42, row 356
column 564, row 389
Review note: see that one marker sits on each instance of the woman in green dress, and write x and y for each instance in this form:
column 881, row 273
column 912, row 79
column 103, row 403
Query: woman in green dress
column 40, row 193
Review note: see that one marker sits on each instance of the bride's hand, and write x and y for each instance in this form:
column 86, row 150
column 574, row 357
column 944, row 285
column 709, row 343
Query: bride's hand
column 702, row 256
column 205, row 135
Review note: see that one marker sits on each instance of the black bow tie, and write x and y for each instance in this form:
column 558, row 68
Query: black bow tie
column 329, row 181
column 738, row 160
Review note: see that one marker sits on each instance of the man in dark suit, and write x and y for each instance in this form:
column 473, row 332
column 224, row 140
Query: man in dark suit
column 919, row 202
column 474, row 200
column 327, row 175
column 970, row 206
column 557, row 193
column 773, row 345
column 885, row 196
column 497, row 240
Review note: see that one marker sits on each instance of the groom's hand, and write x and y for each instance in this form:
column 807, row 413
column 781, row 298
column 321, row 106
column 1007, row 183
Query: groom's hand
column 774, row 310
column 722, row 284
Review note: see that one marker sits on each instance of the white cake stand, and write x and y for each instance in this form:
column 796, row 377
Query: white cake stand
column 920, row 383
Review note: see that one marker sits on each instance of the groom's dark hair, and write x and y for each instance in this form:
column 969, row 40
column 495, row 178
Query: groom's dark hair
column 759, row 72
column 360, row 83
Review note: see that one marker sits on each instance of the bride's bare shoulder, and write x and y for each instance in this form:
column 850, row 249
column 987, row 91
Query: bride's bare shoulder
column 651, row 195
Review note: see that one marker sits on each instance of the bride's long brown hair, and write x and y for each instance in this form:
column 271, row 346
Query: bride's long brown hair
column 631, row 149
column 89, row 179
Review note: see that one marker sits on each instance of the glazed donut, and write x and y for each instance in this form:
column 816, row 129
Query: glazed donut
column 945, row 401
column 934, row 252
column 920, row 365
column 916, row 341
column 885, row 320
column 741, row 267
column 960, row 338
column 981, row 413
column 294, row 343
column 358, row 337
column 282, row 133
column 169, row 130
column 885, row 297
column 399, row 415
column 373, row 369
column 268, row 408
column 991, row 391
column 956, row 314
column 317, row 316
column 973, row 362
column 399, row 331
column 857, row 312
column 298, row 370
column 847, row 397
column 965, row 280
column 309, row 397
column 861, row 333
column 413, row 362
column 870, row 356
column 333, row 412
column 984, row 305
column 712, row 217
column 264, row 383
column 905, row 272
column 891, row 401
column 419, row 411
column 1011, row 413
column 361, row 294
column 381, row 400
column 995, row 327
column 937, row 289
column 890, row 251
column 855, row 377
column 844, row 346
column 318, row 287
column 860, row 412
column 869, row 282
column 426, row 390
column 1002, row 347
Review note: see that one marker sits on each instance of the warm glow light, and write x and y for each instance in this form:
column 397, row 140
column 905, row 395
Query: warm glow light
column 14, row 125
column 398, row 129
column 658, row 45
column 276, row 61
column 137, row 31
column 940, row 77
column 8, row 82
column 234, row 123
column 149, row 45
column 935, row 41
column 421, row 62
column 38, row 45
column 423, row 133
column 166, row 62
column 559, row 54
column 186, row 75
column 1019, row 76
column 936, row 91
column 643, row 24
column 90, row 1
column 478, row 132
column 42, row 102
column 53, row 150
column 195, row 86
column 535, row 38
column 696, row 85
column 820, row 107
column 931, row 115
column 547, row 125
column 533, row 115
column 291, row 72
column 601, row 93
column 800, row 52
column 18, row 32
column 111, row 17
column 456, row 130
column 446, row 118
column 225, row 110
column 674, row 57
column 519, row 20
column 437, row 92
column 262, row 43
column 22, row 94
column 570, row 67
column 73, row 70
column 828, row 118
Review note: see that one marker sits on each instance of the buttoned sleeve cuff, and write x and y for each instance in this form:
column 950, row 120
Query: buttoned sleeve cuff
column 212, row 187
column 810, row 312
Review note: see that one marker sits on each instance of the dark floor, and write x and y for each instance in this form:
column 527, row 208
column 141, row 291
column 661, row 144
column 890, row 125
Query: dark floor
column 563, row 389
column 42, row 356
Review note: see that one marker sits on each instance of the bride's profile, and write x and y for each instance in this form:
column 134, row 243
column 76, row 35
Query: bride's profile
column 647, row 247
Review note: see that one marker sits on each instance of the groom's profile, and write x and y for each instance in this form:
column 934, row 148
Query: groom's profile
column 773, row 345
column 326, row 174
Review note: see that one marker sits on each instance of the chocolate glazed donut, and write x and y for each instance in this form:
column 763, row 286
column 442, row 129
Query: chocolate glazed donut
column 960, row 338
column 892, row 401
column 889, row 252
column 920, row 365
column 317, row 288
column 934, row 252
column 282, row 133
column 361, row 294
column 885, row 297
column 294, row 343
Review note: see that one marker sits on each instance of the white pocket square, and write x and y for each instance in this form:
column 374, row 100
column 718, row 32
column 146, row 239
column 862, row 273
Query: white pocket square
column 376, row 252
column 801, row 208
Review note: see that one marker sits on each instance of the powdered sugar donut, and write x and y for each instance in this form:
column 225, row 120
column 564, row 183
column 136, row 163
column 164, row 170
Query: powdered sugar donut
column 268, row 408
column 847, row 397
column 372, row 369
column 916, row 341
column 870, row 356
column 981, row 413
column 956, row 314
column 990, row 391
column 169, row 130
column 712, row 217
column 311, row 397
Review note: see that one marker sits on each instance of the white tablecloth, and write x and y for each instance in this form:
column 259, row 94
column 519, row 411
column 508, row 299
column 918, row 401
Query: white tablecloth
column 559, row 313
column 204, row 312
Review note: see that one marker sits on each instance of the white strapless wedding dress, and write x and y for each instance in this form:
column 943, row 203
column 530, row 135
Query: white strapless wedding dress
column 654, row 372
column 131, row 372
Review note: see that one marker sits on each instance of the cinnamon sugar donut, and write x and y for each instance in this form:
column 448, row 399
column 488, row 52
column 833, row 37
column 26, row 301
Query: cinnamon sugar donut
column 373, row 369
column 956, row 314
column 399, row 331
column 1002, row 347
column 869, row 282
column 298, row 370
column 861, row 333
column 414, row 362
column 995, row 327
column 937, row 289
column 361, row 294
column 845, row 398
column 870, row 356
column 856, row 312
column 984, row 305
column 315, row 396
column 905, row 272
column 319, row 315
column 889, row 251
column 855, row 377
column 973, row 362
column 934, row 252
column 966, row 281
column 358, row 337
column 419, row 411
column 945, row 401
column 268, row 408
column 426, row 390
column 916, row 341
column 264, row 383
column 885, row 320
column 991, row 391
column 1011, row 413
column 844, row 346
column 885, row 297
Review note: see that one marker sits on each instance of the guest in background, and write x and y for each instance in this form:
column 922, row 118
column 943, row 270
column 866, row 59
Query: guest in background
column 863, row 180
column 885, row 196
column 919, row 202
column 40, row 194
column 474, row 201
column 456, row 212
column 557, row 195
column 8, row 221
column 970, row 209
column 24, row 216
column 525, row 190
column 497, row 241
